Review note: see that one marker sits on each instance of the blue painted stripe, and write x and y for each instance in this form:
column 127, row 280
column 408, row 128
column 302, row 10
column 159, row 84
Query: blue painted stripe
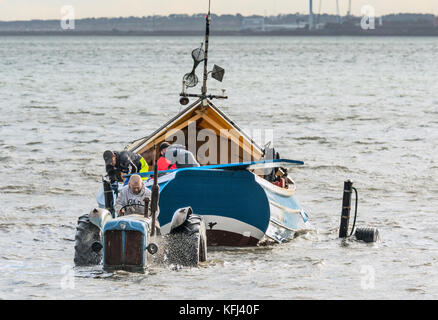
column 130, row 225
column 233, row 166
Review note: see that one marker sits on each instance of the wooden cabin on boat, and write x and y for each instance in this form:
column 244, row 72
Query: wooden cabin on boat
column 205, row 131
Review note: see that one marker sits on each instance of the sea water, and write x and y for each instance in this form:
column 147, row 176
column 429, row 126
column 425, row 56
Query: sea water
column 362, row 108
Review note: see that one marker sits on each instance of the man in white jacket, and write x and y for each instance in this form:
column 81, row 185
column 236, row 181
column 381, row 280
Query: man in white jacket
column 177, row 154
column 134, row 195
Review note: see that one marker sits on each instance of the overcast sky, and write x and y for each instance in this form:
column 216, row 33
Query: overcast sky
column 51, row 9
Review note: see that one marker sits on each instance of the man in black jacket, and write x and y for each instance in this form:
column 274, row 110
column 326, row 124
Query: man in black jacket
column 125, row 162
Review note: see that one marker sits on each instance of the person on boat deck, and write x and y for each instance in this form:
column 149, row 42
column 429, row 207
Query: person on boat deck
column 125, row 162
column 133, row 194
column 177, row 157
column 163, row 163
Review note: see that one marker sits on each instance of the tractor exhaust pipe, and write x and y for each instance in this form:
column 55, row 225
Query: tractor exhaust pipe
column 109, row 197
column 155, row 193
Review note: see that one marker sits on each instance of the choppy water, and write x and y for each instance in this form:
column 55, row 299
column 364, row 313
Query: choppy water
column 364, row 109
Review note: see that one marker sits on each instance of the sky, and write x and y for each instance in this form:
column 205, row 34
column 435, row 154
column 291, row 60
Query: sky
column 52, row 9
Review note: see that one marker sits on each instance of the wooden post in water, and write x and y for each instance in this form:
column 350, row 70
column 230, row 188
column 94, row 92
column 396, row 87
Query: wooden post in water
column 346, row 207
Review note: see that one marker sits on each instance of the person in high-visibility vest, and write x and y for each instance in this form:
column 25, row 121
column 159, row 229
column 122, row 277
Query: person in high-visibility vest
column 124, row 162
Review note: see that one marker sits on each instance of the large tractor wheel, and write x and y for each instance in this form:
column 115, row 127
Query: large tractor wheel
column 87, row 238
column 187, row 244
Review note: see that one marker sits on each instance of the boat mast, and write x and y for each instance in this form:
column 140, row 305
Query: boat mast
column 207, row 35
column 217, row 72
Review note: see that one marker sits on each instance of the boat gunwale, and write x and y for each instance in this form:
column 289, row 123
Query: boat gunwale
column 275, row 189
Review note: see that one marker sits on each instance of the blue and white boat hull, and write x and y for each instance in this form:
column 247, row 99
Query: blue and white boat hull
column 239, row 208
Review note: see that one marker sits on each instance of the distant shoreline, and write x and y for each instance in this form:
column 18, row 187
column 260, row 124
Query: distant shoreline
column 229, row 25
column 359, row 33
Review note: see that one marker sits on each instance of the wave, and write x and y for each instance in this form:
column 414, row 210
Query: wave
column 41, row 107
column 41, row 207
column 310, row 138
column 329, row 167
column 26, row 189
column 368, row 143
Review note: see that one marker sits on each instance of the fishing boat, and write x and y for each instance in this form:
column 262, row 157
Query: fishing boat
column 242, row 190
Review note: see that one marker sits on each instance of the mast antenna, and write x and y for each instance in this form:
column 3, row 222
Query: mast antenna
column 207, row 35
column 191, row 80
